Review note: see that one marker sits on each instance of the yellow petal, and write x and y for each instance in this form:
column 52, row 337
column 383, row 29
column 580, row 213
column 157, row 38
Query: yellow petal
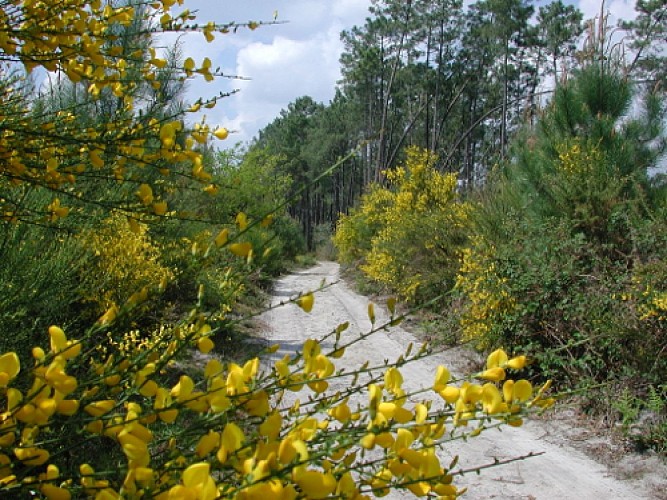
column 421, row 412
column 196, row 475
column 133, row 447
column 495, row 374
column 384, row 440
column 207, row 443
column 419, row 489
column 145, row 194
column 271, row 426
column 368, row 441
column 160, row 208
column 286, row 451
column 168, row 416
column 167, row 131
column 99, row 408
column 402, row 415
column 232, row 437
column 144, row 474
column 442, row 376
column 109, row 316
column 497, row 358
column 393, row 379
column 58, row 339
column 387, row 409
column 508, row 390
column 341, row 413
column 450, row 394
column 242, row 221
column 183, row 388
column 258, row 405
column 491, row 399
column 221, row 133
column 14, row 399
column 205, row 345
column 517, row 363
column 9, row 365
column 31, row 456
column 240, row 249
column 96, row 159
column 522, row 391
column 391, row 305
column 306, row 302
column 68, row 407
column 53, row 492
column 315, row 484
column 221, row 238
column 72, row 350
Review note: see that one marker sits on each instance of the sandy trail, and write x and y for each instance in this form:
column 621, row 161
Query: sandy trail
column 561, row 472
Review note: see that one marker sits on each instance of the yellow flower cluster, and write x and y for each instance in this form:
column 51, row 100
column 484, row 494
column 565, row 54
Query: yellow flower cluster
column 577, row 160
column 487, row 296
column 240, row 441
column 134, row 342
column 407, row 230
column 660, row 303
column 78, row 40
column 650, row 303
column 355, row 230
column 124, row 259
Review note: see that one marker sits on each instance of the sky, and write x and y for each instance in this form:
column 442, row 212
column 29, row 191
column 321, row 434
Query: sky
column 286, row 61
column 281, row 62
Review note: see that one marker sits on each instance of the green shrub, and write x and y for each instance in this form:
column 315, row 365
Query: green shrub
column 124, row 261
column 408, row 236
column 38, row 283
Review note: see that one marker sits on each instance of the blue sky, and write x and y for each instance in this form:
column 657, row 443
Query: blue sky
column 289, row 60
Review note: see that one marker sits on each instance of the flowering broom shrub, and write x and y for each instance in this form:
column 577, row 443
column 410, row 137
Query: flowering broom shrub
column 227, row 433
column 489, row 302
column 408, row 236
column 125, row 260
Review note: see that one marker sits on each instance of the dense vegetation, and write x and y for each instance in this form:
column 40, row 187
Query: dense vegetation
column 127, row 243
column 553, row 240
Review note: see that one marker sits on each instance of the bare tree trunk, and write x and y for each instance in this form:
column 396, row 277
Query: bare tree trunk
column 381, row 158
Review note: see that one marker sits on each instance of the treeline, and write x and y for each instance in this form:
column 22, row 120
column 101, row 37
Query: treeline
column 457, row 80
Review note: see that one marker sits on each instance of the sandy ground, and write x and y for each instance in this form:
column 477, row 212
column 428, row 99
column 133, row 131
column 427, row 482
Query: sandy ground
column 562, row 471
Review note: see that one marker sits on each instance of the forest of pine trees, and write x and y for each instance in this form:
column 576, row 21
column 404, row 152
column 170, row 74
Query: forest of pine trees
column 460, row 81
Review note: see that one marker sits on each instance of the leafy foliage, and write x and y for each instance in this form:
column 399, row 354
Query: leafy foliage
column 407, row 231
column 564, row 239
column 39, row 284
column 124, row 262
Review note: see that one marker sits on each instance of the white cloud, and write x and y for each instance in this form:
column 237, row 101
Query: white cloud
column 283, row 62
column 282, row 71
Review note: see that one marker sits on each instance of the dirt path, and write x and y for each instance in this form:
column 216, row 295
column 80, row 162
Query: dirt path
column 562, row 472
